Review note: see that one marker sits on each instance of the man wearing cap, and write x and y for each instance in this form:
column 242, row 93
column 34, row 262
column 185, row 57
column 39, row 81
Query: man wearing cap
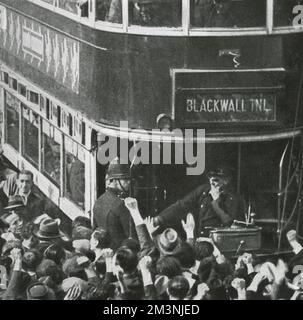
column 109, row 211
column 22, row 184
column 213, row 204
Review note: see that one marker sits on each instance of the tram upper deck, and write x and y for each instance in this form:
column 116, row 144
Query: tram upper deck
column 148, row 58
column 181, row 17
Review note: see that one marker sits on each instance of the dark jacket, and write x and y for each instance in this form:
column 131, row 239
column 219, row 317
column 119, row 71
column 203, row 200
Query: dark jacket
column 35, row 204
column 207, row 213
column 111, row 214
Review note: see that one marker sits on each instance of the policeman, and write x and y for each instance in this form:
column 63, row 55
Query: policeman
column 213, row 204
column 109, row 211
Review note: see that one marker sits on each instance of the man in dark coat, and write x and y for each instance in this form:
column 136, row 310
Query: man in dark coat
column 22, row 184
column 213, row 205
column 109, row 210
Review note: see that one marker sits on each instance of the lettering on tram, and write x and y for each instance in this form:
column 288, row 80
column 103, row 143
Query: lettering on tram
column 230, row 107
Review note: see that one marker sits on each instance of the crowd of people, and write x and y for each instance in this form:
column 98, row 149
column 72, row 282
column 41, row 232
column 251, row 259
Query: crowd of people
column 41, row 262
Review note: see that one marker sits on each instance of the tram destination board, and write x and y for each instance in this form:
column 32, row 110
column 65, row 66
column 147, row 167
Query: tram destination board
column 225, row 99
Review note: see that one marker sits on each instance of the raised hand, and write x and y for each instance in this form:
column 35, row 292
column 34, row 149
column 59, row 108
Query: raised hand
column 149, row 222
column 215, row 192
column 16, row 254
column 291, row 235
column 107, row 253
column 238, row 284
column 73, row 293
column 280, row 271
column 145, row 263
column 202, row 290
column 189, row 224
column 131, row 204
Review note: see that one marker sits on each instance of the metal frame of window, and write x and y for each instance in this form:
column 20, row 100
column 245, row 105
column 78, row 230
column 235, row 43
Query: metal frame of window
column 183, row 30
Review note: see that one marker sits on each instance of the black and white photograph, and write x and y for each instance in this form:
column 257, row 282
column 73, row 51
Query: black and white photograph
column 151, row 150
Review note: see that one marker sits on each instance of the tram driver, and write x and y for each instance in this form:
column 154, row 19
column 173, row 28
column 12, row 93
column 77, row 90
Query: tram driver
column 213, row 205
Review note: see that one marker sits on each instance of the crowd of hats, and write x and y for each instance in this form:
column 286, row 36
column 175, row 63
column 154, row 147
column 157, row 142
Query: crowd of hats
column 80, row 265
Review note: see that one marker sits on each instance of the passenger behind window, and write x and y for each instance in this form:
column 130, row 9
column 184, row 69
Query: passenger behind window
column 157, row 14
column 102, row 9
column 83, row 5
column 115, row 12
column 228, row 13
column 212, row 13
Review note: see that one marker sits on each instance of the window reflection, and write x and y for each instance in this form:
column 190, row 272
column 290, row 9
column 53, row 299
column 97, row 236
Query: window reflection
column 12, row 121
column 155, row 13
column 283, row 12
column 228, row 13
column 69, row 5
column 74, row 179
column 109, row 10
column 51, row 159
column 31, row 141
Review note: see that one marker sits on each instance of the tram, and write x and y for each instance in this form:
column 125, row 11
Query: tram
column 72, row 70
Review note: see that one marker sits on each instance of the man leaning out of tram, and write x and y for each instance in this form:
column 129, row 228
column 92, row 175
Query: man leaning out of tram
column 213, row 205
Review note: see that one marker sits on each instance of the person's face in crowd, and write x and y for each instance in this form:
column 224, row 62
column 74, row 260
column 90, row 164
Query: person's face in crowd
column 25, row 183
column 16, row 225
column 93, row 242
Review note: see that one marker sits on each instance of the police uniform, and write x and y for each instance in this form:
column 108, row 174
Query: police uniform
column 109, row 211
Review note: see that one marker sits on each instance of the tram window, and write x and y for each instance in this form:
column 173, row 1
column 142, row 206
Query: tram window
column 83, row 133
column 68, row 5
column 74, row 179
column 14, row 83
column 47, row 106
column 228, row 13
column 31, row 141
column 33, row 97
column 22, row 90
column 59, row 116
column 12, row 124
column 109, row 10
column 70, row 124
column 5, row 77
column 51, row 159
column 283, row 12
column 154, row 13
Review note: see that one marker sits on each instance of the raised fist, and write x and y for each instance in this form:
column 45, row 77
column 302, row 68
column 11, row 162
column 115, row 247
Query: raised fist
column 131, row 204
column 107, row 253
column 238, row 283
column 145, row 263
